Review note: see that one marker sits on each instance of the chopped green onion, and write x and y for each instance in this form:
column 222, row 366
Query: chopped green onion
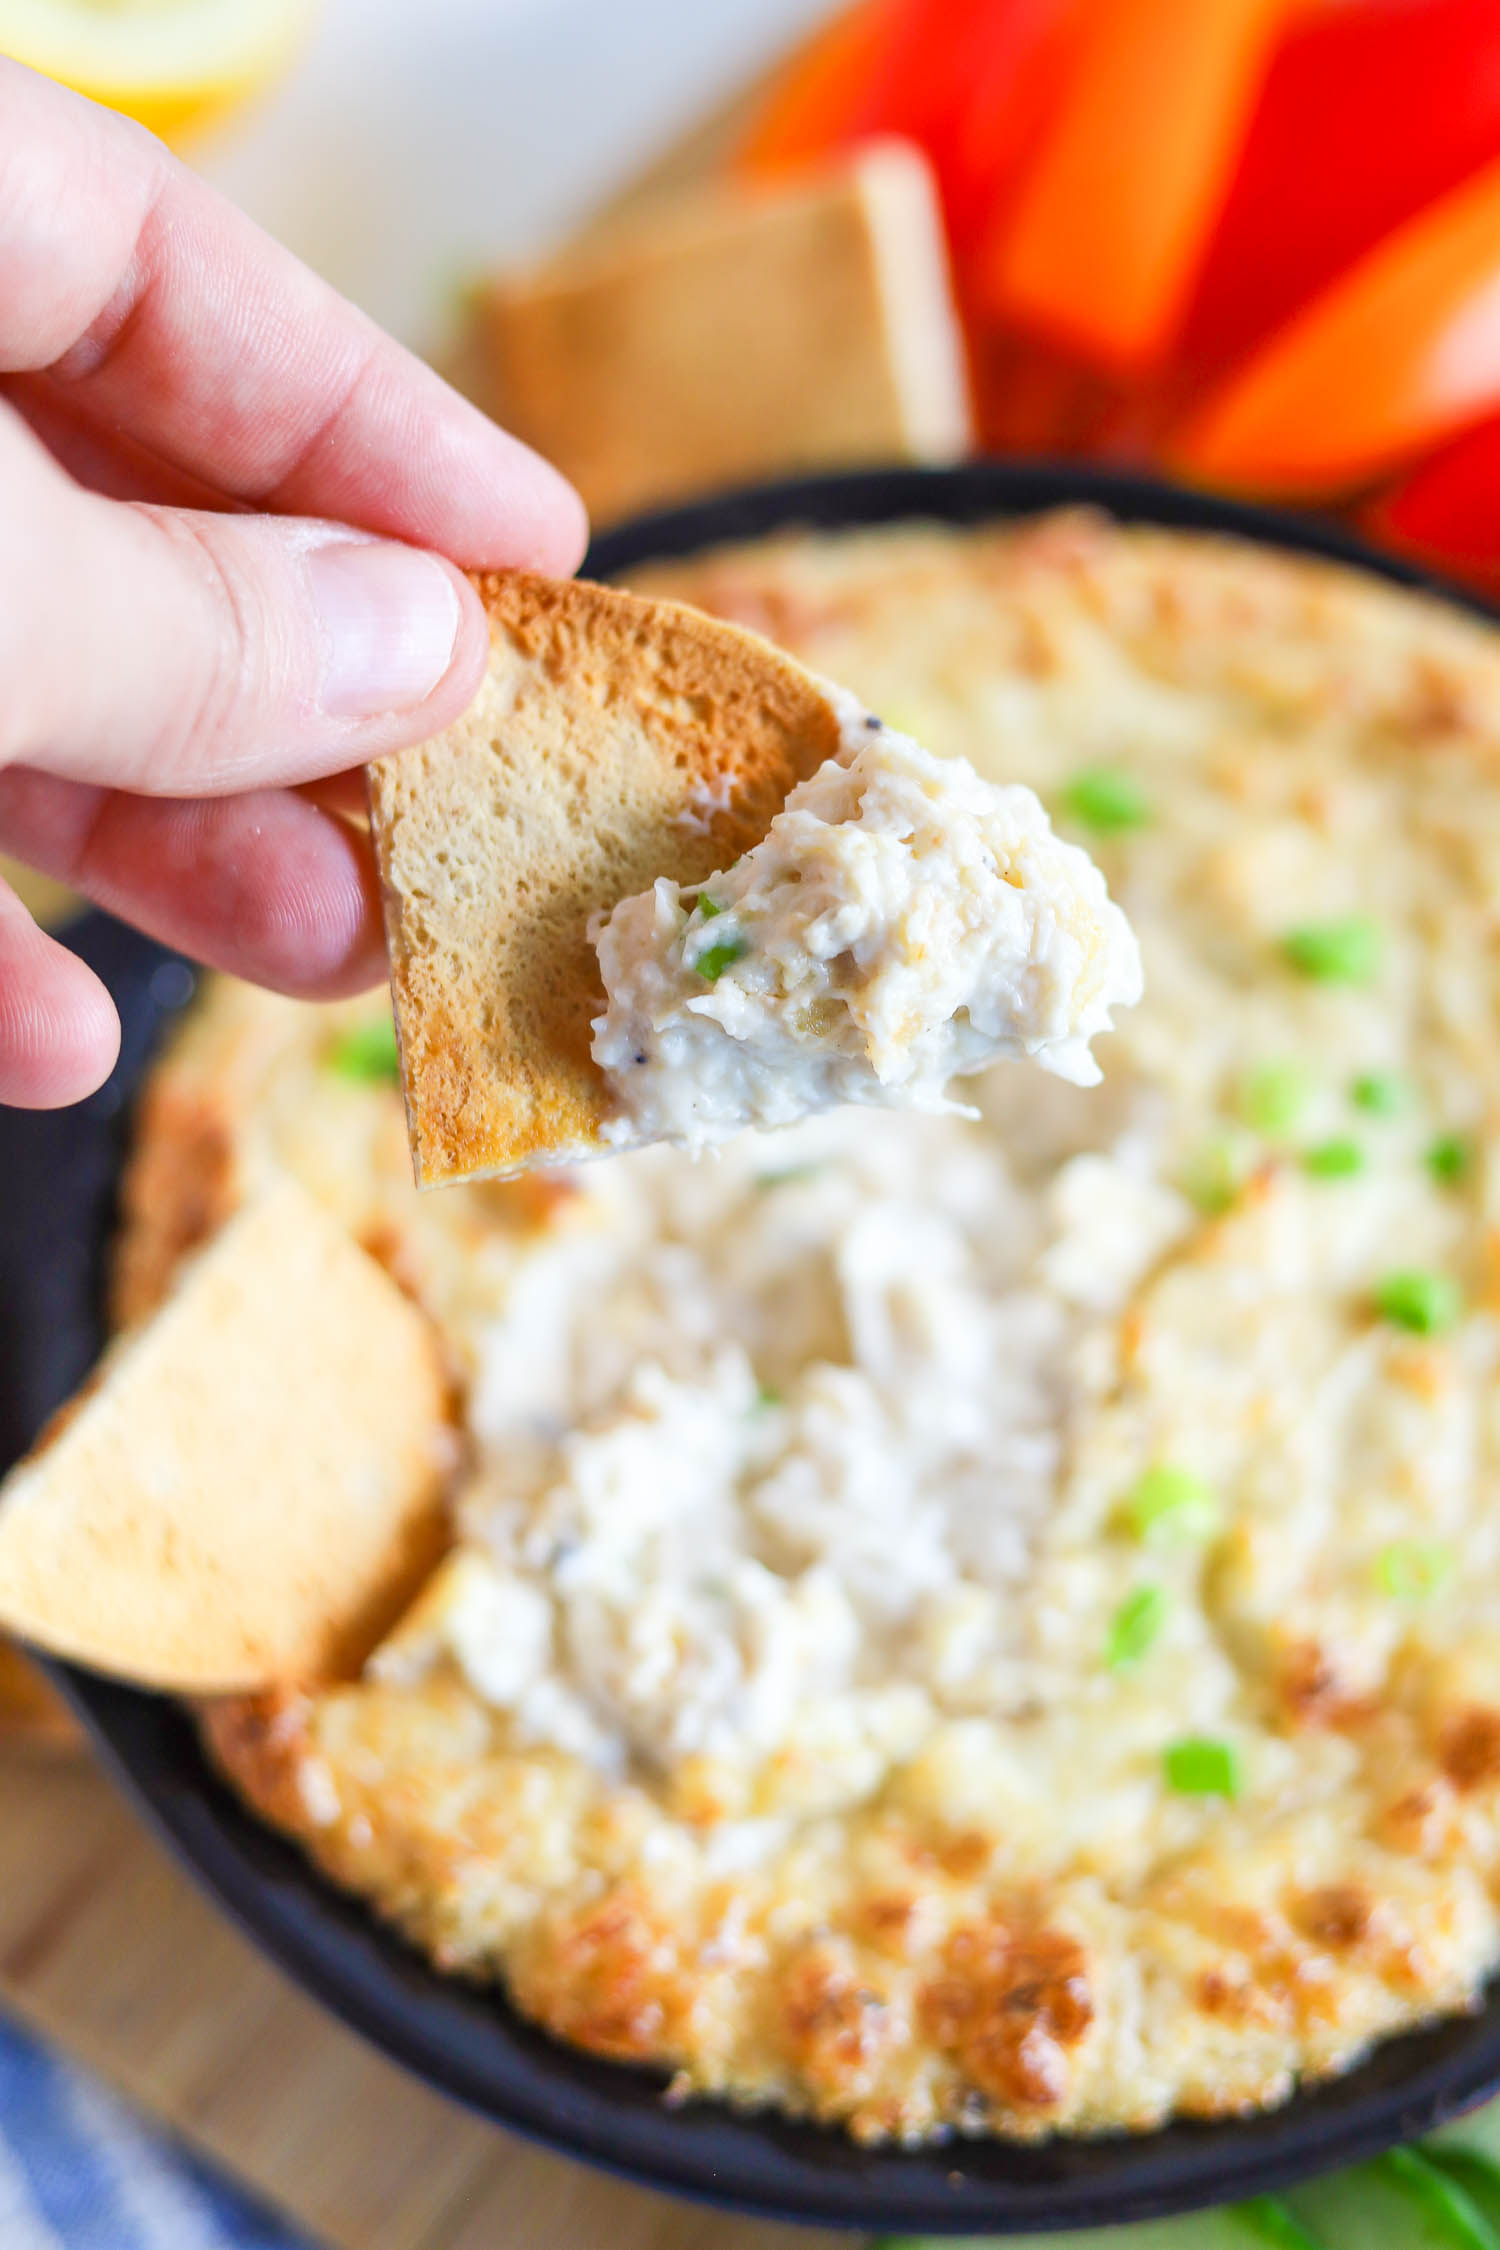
column 1345, row 952
column 1135, row 1627
column 1449, row 1158
column 708, row 907
column 767, row 1396
column 1426, row 1303
column 1272, row 1097
column 793, row 1176
column 1411, row 1570
column 1384, row 1093
column 1213, row 1177
column 368, row 1053
column 1172, row 1504
column 1338, row 1159
column 1271, row 2219
column 715, row 959
column 1108, row 799
column 1201, row 1767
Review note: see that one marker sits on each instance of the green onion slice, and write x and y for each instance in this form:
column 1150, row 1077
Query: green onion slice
column 1346, row 952
column 1412, row 1570
column 1338, row 1159
column 793, row 1176
column 1108, row 799
column 367, row 1053
column 715, row 959
column 1136, row 1627
column 1213, row 1177
column 1171, row 1504
column 1449, row 1158
column 1272, row 1097
column 1199, row 1766
column 1381, row 1093
column 1426, row 1303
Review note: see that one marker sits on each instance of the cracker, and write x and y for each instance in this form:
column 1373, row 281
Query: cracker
column 251, row 1485
column 736, row 333
column 614, row 740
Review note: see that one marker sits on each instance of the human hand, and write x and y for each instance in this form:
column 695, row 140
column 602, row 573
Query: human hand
column 207, row 459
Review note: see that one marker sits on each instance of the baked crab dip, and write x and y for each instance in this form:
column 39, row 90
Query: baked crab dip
column 975, row 1623
column 903, row 921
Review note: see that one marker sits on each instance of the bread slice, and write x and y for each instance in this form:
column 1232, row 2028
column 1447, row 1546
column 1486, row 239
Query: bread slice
column 615, row 739
column 251, row 1487
column 735, row 333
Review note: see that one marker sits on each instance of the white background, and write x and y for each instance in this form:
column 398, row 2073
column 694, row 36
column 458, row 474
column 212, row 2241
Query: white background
column 419, row 141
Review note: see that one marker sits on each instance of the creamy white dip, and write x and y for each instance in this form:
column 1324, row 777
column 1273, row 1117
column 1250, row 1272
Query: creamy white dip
column 903, row 922
column 764, row 1446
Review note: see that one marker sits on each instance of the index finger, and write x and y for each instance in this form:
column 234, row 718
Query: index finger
column 159, row 308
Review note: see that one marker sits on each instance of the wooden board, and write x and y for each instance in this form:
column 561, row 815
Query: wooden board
column 108, row 1952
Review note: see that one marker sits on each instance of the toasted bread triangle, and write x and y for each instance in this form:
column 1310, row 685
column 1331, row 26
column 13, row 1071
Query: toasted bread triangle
column 251, row 1487
column 614, row 740
column 727, row 333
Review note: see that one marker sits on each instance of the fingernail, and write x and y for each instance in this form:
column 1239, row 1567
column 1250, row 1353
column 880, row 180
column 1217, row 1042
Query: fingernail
column 389, row 617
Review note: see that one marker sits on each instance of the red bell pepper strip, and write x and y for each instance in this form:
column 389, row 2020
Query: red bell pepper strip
column 1399, row 352
column 1369, row 111
column 814, row 103
column 888, row 66
column 1106, row 238
column 1013, row 71
column 1448, row 510
column 972, row 82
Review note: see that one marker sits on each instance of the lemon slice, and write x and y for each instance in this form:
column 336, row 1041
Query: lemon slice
column 170, row 63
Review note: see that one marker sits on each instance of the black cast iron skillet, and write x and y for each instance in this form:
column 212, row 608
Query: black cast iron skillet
column 57, row 1179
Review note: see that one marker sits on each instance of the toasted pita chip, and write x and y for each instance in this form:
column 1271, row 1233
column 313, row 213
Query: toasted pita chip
column 737, row 332
column 615, row 739
column 250, row 1487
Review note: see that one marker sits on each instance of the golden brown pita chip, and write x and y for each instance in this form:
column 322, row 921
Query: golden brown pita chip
column 738, row 332
column 614, row 740
column 250, row 1487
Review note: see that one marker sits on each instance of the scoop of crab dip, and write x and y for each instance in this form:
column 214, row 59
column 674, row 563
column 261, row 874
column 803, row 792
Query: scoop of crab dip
column 975, row 1623
column 902, row 923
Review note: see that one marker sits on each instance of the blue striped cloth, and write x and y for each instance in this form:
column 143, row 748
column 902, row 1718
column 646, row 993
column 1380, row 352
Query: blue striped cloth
column 79, row 2172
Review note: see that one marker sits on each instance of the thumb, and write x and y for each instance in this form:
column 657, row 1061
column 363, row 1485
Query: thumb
column 180, row 653
column 59, row 1033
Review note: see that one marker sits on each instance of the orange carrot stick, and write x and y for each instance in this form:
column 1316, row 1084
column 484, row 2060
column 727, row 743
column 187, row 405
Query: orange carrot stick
column 1105, row 242
column 1403, row 349
column 814, row 103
